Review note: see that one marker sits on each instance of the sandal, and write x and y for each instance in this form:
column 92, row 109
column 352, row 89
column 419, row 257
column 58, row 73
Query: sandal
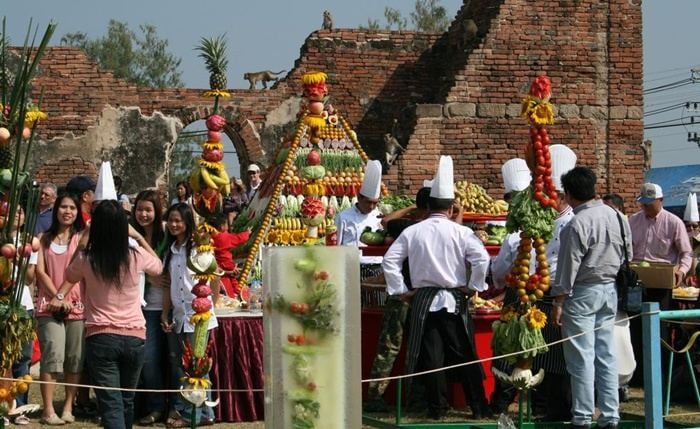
column 21, row 420
column 52, row 420
column 152, row 418
column 68, row 418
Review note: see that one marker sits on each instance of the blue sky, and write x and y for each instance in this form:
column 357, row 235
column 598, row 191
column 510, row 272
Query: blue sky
column 267, row 34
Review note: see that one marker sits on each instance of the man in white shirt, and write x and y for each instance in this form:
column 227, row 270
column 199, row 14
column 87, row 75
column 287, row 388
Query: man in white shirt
column 352, row 221
column 441, row 253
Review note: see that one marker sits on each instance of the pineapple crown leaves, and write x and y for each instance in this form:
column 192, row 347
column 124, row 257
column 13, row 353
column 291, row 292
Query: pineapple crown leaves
column 213, row 51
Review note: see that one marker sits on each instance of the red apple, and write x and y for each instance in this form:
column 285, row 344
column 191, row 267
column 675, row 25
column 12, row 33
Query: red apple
column 214, row 155
column 213, row 136
column 27, row 250
column 316, row 107
column 313, row 158
column 8, row 251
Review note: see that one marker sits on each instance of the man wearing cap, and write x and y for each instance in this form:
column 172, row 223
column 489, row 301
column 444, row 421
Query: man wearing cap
column 658, row 235
column 441, row 253
column 352, row 221
column 254, row 180
column 84, row 188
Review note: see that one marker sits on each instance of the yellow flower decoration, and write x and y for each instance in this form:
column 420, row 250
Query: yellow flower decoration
column 212, row 146
column 205, row 248
column 284, row 237
column 297, row 237
column 213, row 165
column 32, row 116
column 272, row 237
column 314, row 77
column 207, row 277
column 200, row 317
column 537, row 112
column 197, row 382
column 216, row 93
column 314, row 121
column 535, row 318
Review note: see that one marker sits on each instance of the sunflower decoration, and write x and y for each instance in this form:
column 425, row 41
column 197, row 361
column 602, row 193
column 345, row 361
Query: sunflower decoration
column 272, row 237
column 536, row 107
column 536, row 319
column 297, row 237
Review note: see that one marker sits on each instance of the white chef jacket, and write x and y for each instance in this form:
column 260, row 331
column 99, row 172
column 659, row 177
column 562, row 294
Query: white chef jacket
column 181, row 284
column 349, row 226
column 440, row 252
column 553, row 246
column 502, row 263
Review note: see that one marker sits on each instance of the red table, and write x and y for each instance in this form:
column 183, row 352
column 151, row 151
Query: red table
column 371, row 326
column 238, row 364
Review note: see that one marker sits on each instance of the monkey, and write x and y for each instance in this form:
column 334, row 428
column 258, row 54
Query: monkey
column 327, row 21
column 261, row 76
column 392, row 148
column 469, row 32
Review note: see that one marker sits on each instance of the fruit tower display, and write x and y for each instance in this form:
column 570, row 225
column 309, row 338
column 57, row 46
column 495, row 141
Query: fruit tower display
column 210, row 184
column 531, row 213
column 19, row 119
column 317, row 173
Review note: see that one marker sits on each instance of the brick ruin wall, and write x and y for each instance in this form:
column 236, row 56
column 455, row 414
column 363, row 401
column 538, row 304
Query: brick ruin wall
column 457, row 93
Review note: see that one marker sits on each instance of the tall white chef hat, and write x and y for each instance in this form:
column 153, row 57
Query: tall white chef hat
column 691, row 209
column 105, row 184
column 428, row 183
column 443, row 185
column 372, row 183
column 563, row 160
column 516, row 175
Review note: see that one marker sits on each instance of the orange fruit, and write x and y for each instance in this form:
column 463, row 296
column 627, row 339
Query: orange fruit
column 4, row 393
column 22, row 387
column 538, row 293
column 524, row 299
column 522, row 292
column 27, row 377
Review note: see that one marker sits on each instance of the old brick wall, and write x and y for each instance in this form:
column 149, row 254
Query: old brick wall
column 456, row 93
column 590, row 49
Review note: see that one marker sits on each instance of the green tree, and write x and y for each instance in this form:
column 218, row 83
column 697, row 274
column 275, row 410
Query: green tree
column 140, row 59
column 428, row 16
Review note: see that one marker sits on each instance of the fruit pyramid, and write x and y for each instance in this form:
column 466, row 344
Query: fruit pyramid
column 317, row 173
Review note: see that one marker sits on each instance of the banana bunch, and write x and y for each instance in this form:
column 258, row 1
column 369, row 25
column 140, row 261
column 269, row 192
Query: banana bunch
column 288, row 223
column 204, row 177
column 474, row 199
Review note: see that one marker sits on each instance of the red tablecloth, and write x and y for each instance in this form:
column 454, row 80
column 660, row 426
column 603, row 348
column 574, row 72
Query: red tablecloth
column 371, row 325
column 238, row 364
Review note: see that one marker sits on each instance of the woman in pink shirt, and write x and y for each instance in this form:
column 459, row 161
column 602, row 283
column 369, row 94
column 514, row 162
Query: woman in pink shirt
column 61, row 334
column 115, row 328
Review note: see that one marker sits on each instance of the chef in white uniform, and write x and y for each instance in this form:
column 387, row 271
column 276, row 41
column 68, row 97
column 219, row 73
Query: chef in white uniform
column 352, row 221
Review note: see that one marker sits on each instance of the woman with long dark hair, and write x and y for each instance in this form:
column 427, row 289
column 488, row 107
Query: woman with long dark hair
column 115, row 327
column 60, row 332
column 146, row 219
column 181, row 228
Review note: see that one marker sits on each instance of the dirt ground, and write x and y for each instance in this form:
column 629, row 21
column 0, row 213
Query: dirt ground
column 633, row 410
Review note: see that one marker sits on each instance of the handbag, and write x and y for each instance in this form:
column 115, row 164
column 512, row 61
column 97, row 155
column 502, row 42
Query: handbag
column 629, row 287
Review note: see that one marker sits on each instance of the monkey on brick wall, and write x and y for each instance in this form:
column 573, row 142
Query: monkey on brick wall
column 264, row 76
column 327, row 21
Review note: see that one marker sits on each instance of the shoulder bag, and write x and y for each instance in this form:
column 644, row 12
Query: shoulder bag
column 629, row 288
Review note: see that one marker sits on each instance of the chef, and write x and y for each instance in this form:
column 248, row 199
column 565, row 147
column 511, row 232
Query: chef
column 440, row 252
column 352, row 221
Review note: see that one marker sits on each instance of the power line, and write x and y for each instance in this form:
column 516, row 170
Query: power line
column 663, row 109
column 669, row 86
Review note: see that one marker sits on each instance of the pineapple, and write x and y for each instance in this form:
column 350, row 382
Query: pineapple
column 214, row 53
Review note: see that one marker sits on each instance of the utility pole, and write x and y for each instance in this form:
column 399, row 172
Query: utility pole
column 693, row 107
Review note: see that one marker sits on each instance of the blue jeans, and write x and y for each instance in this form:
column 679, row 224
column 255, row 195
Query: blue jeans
column 115, row 361
column 178, row 403
column 153, row 374
column 590, row 358
column 21, row 367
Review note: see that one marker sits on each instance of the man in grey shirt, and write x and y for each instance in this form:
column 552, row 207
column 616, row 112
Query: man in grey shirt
column 585, row 299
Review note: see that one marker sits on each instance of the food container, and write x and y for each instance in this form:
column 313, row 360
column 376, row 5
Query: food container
column 658, row 275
